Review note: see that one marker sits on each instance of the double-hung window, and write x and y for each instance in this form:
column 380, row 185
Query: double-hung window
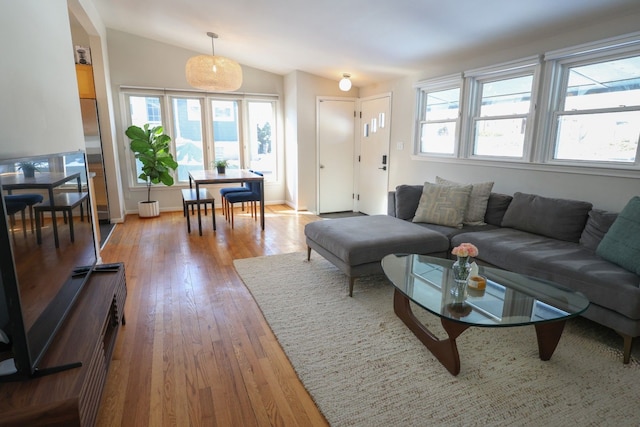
column 438, row 121
column 595, row 113
column 502, row 106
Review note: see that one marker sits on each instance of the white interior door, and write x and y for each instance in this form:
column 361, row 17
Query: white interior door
column 336, row 142
column 373, row 176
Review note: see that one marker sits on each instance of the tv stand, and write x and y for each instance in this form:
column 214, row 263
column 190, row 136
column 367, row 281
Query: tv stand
column 87, row 338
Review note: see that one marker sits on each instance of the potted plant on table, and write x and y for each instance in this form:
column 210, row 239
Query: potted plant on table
column 151, row 147
column 28, row 169
column 221, row 165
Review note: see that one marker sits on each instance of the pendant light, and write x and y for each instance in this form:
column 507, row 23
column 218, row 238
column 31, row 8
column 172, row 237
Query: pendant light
column 213, row 73
column 345, row 82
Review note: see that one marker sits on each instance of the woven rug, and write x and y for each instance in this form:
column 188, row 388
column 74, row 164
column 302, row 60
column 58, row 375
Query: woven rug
column 363, row 367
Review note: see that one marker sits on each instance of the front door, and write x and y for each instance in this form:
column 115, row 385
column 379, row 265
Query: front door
column 373, row 173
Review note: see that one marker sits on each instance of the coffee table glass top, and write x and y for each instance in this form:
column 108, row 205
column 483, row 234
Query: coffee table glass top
column 509, row 299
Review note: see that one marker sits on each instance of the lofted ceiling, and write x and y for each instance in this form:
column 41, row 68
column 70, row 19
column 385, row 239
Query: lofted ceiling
column 374, row 40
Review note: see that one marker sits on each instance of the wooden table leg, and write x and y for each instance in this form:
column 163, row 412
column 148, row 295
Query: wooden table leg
column 445, row 350
column 548, row 337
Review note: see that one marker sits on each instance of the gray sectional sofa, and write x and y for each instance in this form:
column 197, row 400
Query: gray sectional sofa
column 554, row 239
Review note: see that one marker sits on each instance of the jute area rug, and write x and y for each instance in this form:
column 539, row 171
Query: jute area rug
column 363, row 367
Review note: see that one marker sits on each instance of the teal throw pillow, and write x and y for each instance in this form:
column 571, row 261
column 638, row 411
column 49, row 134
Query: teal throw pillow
column 621, row 244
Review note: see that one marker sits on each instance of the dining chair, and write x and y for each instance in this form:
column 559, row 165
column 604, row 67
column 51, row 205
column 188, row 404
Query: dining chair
column 29, row 199
column 252, row 197
column 65, row 203
column 13, row 207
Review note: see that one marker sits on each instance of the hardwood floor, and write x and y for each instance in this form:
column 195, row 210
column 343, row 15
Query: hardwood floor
column 196, row 350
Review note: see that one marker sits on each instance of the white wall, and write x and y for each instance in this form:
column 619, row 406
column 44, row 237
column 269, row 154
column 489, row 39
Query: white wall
column 606, row 192
column 39, row 105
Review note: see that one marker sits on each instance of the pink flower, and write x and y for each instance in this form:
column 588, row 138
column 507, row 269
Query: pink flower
column 465, row 249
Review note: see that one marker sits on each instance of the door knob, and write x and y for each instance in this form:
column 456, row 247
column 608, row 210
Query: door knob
column 384, row 168
column 321, row 166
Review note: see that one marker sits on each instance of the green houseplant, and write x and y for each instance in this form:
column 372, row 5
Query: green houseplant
column 151, row 147
column 29, row 169
column 221, row 165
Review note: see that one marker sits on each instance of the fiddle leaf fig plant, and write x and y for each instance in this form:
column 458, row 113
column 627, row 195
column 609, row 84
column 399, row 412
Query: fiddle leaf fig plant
column 151, row 146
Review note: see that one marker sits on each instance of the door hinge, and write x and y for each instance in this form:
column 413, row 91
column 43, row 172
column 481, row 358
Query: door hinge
column 358, row 158
column 360, row 114
column 358, row 198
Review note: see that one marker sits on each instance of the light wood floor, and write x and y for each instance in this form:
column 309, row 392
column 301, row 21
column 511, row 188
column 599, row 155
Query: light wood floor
column 196, row 350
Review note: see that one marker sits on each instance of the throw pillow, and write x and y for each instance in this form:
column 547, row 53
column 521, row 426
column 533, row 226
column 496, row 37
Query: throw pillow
column 443, row 204
column 560, row 219
column 478, row 200
column 496, row 208
column 621, row 244
column 407, row 198
column 597, row 226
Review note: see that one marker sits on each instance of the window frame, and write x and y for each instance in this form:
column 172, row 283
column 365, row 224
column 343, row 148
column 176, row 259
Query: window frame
column 474, row 80
column 423, row 89
column 559, row 64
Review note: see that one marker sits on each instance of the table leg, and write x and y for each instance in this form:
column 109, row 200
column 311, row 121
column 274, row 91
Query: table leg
column 54, row 220
column 445, row 350
column 262, row 203
column 198, row 202
column 548, row 337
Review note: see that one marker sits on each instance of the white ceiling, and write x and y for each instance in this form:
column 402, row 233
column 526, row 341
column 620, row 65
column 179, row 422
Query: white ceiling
column 374, row 40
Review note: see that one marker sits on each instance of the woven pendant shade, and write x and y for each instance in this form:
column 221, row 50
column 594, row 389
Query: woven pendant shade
column 213, row 73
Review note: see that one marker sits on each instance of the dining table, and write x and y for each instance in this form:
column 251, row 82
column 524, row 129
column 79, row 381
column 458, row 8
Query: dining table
column 212, row 176
column 44, row 181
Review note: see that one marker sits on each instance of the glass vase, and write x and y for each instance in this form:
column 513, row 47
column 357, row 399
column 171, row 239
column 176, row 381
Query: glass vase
column 461, row 269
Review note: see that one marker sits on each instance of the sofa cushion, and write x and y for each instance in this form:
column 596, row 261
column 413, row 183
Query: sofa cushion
column 621, row 244
column 407, row 199
column 568, row 264
column 561, row 219
column 443, row 204
column 478, row 199
column 364, row 239
column 597, row 226
column 496, row 208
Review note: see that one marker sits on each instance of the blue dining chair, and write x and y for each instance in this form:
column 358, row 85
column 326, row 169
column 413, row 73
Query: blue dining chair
column 13, row 207
column 252, row 197
column 29, row 199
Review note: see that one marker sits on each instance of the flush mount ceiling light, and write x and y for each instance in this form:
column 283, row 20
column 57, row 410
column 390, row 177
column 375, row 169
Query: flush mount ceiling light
column 345, row 83
column 213, row 73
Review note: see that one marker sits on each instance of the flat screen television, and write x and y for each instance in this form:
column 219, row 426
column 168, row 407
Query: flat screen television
column 40, row 280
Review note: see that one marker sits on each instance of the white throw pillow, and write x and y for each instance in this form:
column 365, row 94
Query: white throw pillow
column 443, row 204
column 477, row 201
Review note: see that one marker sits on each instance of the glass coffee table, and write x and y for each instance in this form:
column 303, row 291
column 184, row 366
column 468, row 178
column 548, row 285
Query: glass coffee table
column 509, row 299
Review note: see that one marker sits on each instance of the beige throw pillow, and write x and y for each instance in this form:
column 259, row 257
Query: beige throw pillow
column 443, row 204
column 477, row 201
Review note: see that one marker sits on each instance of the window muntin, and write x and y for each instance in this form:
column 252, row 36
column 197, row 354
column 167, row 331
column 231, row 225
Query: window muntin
column 500, row 119
column 439, row 114
column 598, row 118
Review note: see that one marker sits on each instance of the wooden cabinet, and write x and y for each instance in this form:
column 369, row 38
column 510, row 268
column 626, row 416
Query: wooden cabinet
column 88, row 335
column 86, row 87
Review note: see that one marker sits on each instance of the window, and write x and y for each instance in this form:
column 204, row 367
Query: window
column 143, row 110
column 589, row 113
column 262, row 155
column 439, row 113
column 597, row 115
column 187, row 135
column 226, row 134
column 501, row 115
column 204, row 128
